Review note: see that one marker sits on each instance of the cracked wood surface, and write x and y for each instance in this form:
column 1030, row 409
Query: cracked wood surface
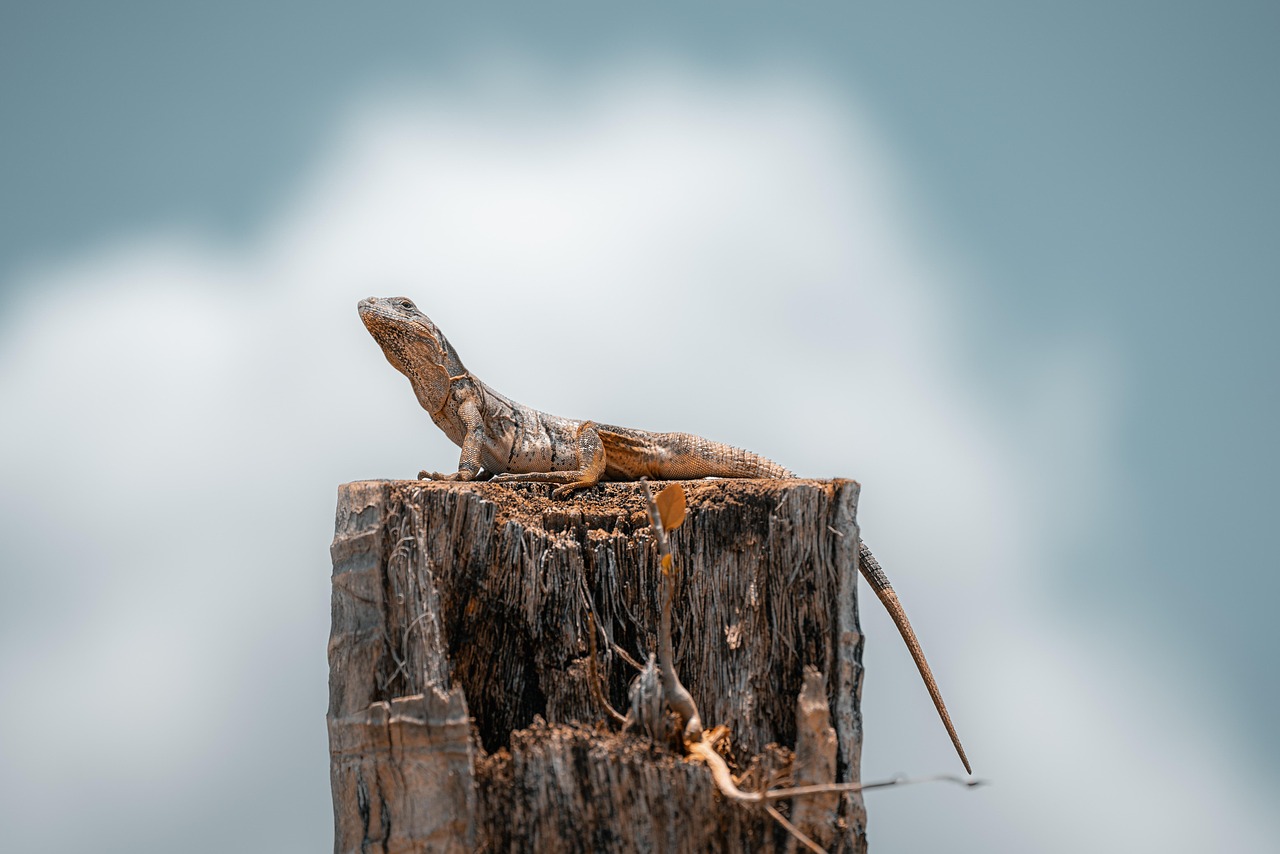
column 456, row 600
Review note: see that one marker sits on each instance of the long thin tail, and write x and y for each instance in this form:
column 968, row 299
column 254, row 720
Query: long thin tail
column 880, row 584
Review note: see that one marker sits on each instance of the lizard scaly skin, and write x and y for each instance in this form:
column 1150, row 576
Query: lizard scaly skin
column 509, row 442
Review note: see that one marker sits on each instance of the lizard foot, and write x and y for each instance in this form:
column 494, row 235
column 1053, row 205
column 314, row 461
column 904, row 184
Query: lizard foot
column 571, row 481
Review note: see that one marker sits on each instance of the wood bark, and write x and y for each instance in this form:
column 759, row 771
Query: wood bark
column 460, row 715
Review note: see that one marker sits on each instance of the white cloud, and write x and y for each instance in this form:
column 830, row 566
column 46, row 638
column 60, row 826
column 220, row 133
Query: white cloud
column 186, row 411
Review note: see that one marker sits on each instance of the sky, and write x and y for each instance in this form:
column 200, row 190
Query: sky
column 1008, row 268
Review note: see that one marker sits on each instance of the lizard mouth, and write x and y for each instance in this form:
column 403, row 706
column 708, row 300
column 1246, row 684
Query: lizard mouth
column 390, row 327
column 371, row 309
column 383, row 324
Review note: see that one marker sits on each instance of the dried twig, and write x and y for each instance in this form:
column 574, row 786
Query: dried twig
column 678, row 697
column 622, row 653
column 609, row 642
column 799, row 834
column 593, row 675
column 823, row 788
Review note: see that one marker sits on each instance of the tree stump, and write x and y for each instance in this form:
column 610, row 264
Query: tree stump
column 461, row 717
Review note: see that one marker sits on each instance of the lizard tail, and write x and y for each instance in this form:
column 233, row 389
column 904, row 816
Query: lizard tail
column 880, row 584
column 631, row 454
column 694, row 456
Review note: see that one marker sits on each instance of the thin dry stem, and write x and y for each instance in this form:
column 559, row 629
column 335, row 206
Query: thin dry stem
column 678, row 697
column 824, row 788
column 796, row 832
column 593, row 675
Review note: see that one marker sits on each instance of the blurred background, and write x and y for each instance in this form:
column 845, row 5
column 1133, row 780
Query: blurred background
column 1013, row 268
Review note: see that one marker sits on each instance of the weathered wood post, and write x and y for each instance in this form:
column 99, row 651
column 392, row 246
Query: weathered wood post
column 460, row 715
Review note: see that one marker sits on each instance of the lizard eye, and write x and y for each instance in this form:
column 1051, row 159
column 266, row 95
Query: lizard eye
column 406, row 304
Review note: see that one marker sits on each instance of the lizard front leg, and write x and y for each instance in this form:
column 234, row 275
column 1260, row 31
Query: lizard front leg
column 472, row 442
column 591, row 458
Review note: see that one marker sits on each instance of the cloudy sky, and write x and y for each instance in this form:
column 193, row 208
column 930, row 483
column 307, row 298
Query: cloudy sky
column 1012, row 270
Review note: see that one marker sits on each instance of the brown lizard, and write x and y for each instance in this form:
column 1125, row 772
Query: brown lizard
column 507, row 442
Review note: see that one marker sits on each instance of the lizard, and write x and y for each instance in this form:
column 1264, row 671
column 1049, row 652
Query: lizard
column 503, row 441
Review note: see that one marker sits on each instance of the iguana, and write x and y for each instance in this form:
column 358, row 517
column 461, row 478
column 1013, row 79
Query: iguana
column 507, row 442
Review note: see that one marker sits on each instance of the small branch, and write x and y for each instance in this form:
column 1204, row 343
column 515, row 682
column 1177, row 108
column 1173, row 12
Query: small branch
column 719, row 769
column 593, row 675
column 793, row 830
column 623, row 654
column 824, row 788
column 724, row 781
column 619, row 651
column 677, row 696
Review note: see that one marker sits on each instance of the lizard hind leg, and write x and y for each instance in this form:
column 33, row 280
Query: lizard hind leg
column 591, row 459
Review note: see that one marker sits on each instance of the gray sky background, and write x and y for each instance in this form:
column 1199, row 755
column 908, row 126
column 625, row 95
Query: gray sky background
column 1015, row 266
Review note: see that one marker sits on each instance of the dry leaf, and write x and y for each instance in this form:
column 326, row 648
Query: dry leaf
column 671, row 506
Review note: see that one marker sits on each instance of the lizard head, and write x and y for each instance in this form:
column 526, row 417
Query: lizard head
column 410, row 341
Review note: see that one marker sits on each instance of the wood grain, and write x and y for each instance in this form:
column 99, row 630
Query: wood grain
column 460, row 715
